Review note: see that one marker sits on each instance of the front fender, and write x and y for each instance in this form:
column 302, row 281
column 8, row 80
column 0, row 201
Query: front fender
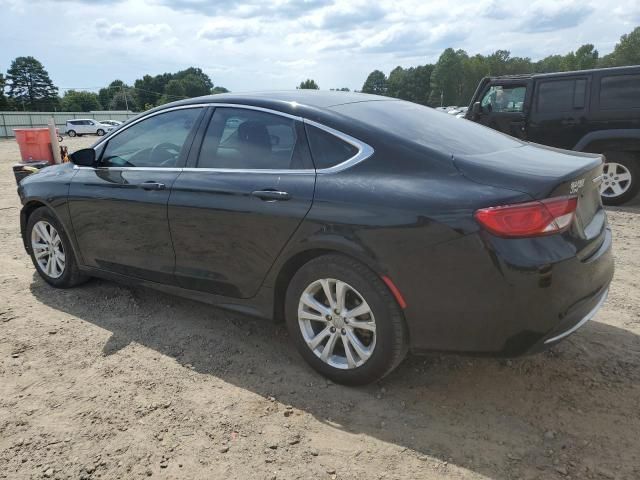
column 600, row 141
column 49, row 188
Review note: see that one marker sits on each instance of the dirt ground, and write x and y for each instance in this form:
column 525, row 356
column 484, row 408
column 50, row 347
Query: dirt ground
column 106, row 381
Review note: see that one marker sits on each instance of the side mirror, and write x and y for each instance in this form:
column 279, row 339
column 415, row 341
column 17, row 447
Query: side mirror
column 476, row 110
column 84, row 158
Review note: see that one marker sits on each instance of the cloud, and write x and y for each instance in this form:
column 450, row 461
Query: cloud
column 557, row 18
column 284, row 9
column 227, row 29
column 353, row 18
column 409, row 40
column 143, row 32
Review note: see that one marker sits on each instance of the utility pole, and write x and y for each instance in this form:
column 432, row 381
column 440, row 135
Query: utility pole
column 126, row 102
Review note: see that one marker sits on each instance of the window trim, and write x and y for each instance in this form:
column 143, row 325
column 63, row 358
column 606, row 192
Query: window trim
column 364, row 150
column 613, row 75
column 574, row 109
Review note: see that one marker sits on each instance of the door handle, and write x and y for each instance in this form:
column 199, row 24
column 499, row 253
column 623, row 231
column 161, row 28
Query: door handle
column 271, row 195
column 569, row 122
column 152, row 186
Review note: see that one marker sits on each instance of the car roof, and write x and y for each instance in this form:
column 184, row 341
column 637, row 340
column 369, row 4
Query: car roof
column 527, row 76
column 295, row 102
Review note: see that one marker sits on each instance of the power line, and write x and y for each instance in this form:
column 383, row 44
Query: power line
column 121, row 86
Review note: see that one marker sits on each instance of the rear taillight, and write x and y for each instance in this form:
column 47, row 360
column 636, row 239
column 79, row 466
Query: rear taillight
column 529, row 219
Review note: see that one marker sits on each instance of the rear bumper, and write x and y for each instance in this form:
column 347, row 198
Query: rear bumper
column 575, row 319
column 511, row 298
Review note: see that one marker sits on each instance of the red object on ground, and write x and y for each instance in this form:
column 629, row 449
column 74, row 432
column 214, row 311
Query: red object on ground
column 34, row 143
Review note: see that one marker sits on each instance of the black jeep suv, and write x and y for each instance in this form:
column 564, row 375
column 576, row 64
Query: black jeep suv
column 594, row 111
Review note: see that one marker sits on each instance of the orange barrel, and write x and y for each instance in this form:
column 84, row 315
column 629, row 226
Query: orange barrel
column 34, row 143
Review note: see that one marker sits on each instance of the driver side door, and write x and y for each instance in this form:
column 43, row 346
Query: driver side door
column 119, row 207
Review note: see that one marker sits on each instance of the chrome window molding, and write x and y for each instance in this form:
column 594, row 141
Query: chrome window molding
column 364, row 150
column 125, row 126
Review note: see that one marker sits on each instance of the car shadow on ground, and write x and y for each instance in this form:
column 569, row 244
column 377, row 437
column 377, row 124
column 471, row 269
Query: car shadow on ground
column 521, row 418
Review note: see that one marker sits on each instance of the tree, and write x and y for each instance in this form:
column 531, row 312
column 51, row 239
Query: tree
column 626, row 52
column 74, row 101
column 4, row 104
column 343, row 89
column 216, row 90
column 105, row 95
column 149, row 89
column 30, row 86
column 397, row 83
column 308, row 84
column 447, row 79
column 375, row 83
column 124, row 100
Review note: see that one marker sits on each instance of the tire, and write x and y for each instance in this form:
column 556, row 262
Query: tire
column 72, row 133
column 613, row 189
column 100, row 132
column 385, row 346
column 60, row 277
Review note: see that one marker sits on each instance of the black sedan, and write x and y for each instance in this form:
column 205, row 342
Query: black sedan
column 371, row 225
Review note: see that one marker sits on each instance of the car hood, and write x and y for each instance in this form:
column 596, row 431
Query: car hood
column 533, row 169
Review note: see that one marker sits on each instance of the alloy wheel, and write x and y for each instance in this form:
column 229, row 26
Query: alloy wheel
column 337, row 323
column 48, row 250
column 616, row 180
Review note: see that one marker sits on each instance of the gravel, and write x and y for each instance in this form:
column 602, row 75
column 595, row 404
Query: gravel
column 113, row 380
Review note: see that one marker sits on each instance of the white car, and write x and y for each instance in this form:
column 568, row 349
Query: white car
column 82, row 126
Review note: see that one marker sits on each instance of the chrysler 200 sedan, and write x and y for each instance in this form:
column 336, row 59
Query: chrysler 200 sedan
column 373, row 226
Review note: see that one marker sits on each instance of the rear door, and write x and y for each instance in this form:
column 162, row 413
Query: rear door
column 559, row 111
column 502, row 107
column 243, row 196
column 119, row 208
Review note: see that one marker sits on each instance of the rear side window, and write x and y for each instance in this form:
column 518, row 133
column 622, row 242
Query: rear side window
column 426, row 126
column 561, row 95
column 245, row 139
column 620, row 92
column 328, row 150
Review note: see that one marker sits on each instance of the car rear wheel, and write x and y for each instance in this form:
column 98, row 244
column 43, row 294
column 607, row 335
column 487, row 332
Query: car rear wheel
column 100, row 132
column 51, row 251
column 621, row 178
column 344, row 320
column 71, row 133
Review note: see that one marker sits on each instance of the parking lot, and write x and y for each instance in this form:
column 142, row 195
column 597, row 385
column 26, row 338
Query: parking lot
column 107, row 381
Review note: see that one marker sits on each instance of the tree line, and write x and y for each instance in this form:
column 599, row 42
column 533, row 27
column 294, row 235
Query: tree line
column 452, row 80
column 28, row 87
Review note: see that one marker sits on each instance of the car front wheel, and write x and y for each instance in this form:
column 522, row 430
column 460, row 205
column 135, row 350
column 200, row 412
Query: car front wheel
column 620, row 178
column 51, row 251
column 344, row 320
column 100, row 132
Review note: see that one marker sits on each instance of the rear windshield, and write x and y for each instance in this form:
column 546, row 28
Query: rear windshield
column 426, row 126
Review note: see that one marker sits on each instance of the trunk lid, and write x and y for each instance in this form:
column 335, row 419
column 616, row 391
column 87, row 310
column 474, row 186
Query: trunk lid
column 545, row 172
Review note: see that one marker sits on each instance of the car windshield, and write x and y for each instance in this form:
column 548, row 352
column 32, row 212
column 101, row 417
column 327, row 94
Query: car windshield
column 428, row 127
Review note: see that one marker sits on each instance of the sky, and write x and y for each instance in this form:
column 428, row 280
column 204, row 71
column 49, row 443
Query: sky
column 257, row 45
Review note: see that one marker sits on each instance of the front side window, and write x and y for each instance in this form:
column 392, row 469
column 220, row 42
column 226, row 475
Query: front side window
column 154, row 142
column 620, row 92
column 562, row 95
column 502, row 98
column 245, row 139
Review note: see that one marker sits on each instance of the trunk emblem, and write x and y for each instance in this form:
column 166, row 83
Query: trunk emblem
column 576, row 185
